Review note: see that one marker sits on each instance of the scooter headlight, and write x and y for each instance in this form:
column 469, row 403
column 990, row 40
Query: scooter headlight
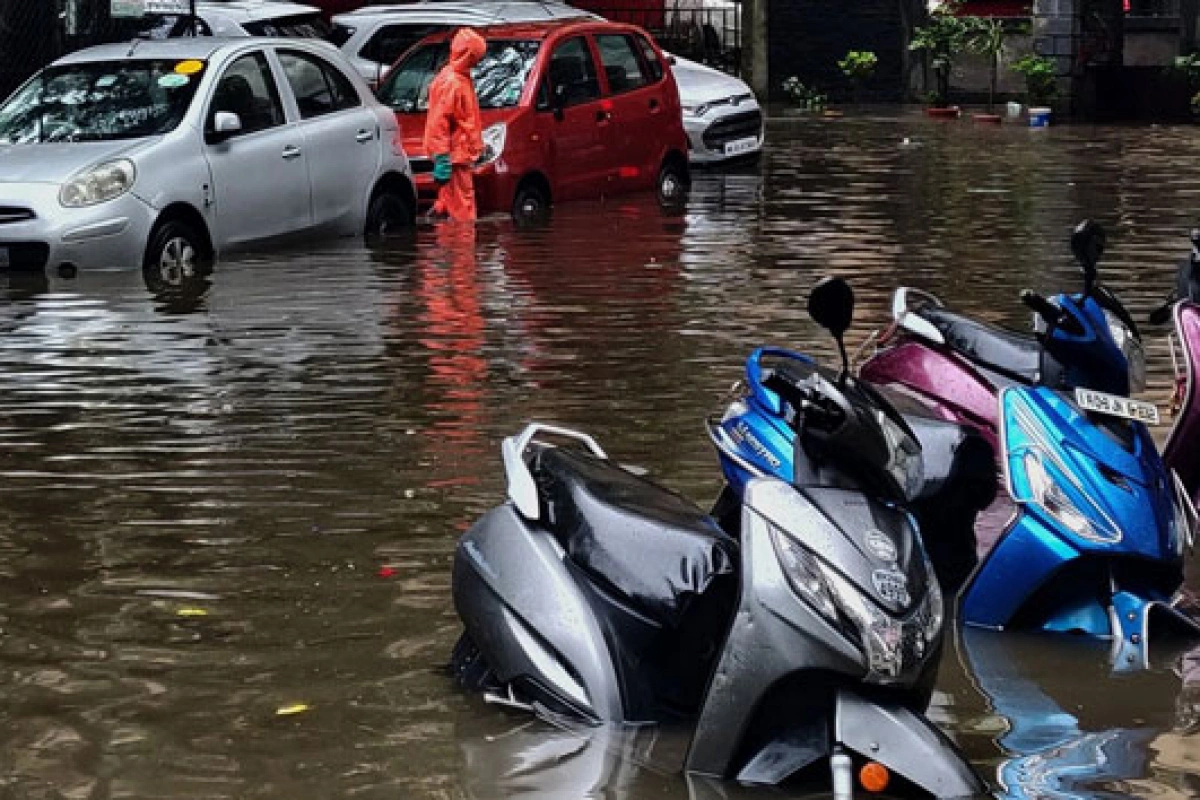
column 893, row 646
column 805, row 575
column 1046, row 484
column 494, row 139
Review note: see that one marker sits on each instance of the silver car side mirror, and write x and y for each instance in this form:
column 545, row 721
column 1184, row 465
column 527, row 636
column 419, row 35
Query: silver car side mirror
column 226, row 123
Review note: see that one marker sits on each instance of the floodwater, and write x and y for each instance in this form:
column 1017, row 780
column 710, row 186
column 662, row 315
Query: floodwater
column 227, row 519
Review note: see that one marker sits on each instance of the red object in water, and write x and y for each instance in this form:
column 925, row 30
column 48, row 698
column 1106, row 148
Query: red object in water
column 950, row 112
column 387, row 572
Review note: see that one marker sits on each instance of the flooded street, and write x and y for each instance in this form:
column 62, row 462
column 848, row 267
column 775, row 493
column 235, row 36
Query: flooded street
column 227, row 520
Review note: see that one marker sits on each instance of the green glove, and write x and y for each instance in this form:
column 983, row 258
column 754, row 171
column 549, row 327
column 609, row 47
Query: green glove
column 441, row 168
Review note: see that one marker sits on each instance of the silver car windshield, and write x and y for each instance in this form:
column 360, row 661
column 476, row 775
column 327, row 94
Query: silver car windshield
column 499, row 77
column 101, row 101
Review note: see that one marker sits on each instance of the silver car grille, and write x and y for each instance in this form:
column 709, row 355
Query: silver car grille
column 15, row 214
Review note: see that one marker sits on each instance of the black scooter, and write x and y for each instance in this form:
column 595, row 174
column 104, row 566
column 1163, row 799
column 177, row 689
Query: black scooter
column 804, row 643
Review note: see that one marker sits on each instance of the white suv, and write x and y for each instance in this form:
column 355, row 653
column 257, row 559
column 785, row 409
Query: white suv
column 720, row 113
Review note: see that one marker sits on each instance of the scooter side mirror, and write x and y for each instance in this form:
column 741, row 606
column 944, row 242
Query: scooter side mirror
column 831, row 305
column 1087, row 243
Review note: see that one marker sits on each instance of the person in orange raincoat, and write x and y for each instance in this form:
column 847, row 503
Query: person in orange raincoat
column 453, row 133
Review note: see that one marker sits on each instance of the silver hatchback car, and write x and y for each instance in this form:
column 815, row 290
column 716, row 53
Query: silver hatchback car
column 163, row 154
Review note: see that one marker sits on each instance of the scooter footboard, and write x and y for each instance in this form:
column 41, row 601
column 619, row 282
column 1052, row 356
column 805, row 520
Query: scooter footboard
column 907, row 744
column 525, row 612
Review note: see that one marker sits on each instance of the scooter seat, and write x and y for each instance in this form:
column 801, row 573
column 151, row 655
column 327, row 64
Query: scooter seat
column 649, row 545
column 1013, row 355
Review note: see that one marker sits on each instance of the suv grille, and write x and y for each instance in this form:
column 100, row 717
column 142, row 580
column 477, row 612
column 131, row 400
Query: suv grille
column 733, row 127
column 15, row 214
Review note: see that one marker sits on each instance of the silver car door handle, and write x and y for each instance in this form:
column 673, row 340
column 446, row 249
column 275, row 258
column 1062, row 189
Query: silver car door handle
column 364, row 136
column 291, row 151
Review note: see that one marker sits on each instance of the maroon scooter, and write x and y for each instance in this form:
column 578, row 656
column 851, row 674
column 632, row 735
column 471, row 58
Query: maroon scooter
column 957, row 366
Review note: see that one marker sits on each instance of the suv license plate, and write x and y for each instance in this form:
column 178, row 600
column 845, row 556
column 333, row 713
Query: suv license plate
column 738, row 146
column 1116, row 406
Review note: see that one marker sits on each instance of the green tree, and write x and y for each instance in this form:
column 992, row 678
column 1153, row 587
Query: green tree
column 942, row 39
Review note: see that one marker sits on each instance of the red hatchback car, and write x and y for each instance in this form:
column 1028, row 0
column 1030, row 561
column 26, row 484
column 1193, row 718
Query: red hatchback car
column 571, row 109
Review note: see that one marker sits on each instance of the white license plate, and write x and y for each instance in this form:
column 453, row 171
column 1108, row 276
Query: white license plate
column 741, row 146
column 1116, row 406
column 4, row 262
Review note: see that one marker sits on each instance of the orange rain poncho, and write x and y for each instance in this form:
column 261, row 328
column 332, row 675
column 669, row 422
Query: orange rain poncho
column 453, row 126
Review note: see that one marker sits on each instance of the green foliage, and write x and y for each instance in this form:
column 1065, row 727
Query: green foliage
column 804, row 97
column 1186, row 67
column 942, row 39
column 858, row 65
column 986, row 38
column 1039, row 73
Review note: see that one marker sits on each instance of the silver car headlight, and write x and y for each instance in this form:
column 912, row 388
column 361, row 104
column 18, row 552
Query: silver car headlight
column 892, row 645
column 101, row 183
column 494, row 139
column 1131, row 347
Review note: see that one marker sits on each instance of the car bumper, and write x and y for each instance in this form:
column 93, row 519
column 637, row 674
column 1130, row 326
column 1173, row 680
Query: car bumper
column 106, row 235
column 720, row 137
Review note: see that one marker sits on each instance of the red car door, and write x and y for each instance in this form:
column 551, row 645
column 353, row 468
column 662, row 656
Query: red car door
column 572, row 117
column 634, row 107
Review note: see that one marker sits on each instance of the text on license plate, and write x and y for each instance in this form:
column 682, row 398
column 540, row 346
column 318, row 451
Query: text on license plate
column 741, row 145
column 1116, row 406
column 3, row 257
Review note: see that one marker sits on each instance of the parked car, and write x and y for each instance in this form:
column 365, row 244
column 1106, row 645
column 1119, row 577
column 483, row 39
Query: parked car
column 571, row 109
column 164, row 154
column 233, row 18
column 721, row 115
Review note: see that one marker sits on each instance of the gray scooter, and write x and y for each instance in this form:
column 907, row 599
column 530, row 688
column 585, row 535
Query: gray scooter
column 804, row 644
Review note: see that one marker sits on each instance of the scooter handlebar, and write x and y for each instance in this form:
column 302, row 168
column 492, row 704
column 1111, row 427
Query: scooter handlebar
column 772, row 401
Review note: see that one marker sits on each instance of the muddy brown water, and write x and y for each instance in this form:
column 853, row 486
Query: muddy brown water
column 243, row 503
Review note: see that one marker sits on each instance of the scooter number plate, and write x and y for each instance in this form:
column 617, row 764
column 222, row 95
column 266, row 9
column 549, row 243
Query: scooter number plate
column 1116, row 406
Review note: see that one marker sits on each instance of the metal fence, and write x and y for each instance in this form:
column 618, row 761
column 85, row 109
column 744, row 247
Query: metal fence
column 709, row 31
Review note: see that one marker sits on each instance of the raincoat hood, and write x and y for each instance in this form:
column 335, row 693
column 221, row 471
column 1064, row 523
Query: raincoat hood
column 466, row 49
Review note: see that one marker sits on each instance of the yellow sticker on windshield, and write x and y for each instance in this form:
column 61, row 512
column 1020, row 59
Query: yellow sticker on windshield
column 189, row 67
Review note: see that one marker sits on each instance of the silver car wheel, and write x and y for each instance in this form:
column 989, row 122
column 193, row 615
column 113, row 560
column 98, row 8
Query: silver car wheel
column 177, row 261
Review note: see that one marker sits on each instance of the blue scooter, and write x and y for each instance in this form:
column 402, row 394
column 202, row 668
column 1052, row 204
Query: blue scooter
column 1097, row 542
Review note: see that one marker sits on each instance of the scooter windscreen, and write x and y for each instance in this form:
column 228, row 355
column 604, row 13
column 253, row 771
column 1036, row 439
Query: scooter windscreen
column 850, row 426
column 1093, row 340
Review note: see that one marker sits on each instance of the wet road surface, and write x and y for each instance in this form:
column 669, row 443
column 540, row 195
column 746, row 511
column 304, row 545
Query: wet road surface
column 227, row 520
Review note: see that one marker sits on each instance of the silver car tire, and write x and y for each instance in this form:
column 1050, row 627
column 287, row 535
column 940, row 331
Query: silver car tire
column 176, row 257
column 390, row 214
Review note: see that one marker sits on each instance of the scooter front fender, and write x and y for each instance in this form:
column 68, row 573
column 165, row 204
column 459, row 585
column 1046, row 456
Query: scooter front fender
column 907, row 744
column 1024, row 558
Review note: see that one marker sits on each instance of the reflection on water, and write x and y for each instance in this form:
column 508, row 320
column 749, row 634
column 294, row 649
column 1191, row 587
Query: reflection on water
column 218, row 504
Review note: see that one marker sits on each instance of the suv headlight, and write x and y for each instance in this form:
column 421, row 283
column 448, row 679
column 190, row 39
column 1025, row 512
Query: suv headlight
column 99, row 184
column 892, row 645
column 494, row 138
